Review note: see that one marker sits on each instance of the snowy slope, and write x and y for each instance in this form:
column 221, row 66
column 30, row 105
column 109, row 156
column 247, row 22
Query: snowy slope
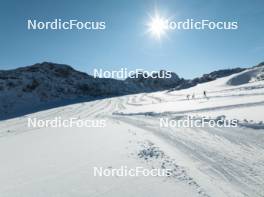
column 31, row 88
column 225, row 97
column 217, row 162
column 47, row 85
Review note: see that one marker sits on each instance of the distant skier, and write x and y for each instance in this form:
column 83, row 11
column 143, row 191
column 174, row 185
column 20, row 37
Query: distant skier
column 205, row 94
column 193, row 96
column 188, row 97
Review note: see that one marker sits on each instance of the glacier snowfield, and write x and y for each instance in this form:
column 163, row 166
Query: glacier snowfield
column 216, row 162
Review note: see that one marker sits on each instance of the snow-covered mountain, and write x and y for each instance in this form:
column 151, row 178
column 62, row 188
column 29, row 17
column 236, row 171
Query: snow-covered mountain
column 151, row 83
column 154, row 82
column 47, row 85
column 203, row 161
column 207, row 77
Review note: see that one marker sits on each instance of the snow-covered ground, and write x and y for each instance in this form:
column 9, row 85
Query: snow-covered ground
column 215, row 162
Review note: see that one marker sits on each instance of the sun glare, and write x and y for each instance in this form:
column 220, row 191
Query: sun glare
column 157, row 26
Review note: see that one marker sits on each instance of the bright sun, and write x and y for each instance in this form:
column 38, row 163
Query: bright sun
column 157, row 26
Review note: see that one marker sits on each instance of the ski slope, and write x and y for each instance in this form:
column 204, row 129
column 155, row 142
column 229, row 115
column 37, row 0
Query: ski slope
column 217, row 162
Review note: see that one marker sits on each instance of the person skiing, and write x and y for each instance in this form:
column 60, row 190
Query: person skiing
column 188, row 97
column 205, row 94
column 193, row 96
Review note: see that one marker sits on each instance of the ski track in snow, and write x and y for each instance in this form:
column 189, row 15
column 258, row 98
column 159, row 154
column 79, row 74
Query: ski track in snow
column 210, row 161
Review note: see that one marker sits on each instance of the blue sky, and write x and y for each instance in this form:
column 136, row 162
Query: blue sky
column 125, row 42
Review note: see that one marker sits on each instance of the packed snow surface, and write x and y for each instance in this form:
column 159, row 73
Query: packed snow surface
column 217, row 162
